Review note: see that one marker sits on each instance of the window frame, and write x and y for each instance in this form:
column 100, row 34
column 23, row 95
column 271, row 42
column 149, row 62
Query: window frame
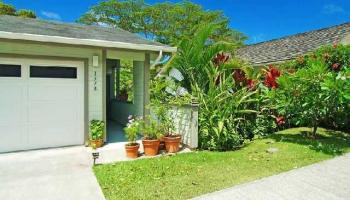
column 72, row 75
column 17, row 74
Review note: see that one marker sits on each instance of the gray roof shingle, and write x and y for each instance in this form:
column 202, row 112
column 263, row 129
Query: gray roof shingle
column 290, row 47
column 70, row 30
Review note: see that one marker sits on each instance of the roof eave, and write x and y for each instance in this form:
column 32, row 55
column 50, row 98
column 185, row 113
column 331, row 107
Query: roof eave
column 87, row 42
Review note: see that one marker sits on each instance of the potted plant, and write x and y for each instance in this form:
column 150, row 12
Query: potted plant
column 131, row 131
column 151, row 134
column 171, row 140
column 97, row 129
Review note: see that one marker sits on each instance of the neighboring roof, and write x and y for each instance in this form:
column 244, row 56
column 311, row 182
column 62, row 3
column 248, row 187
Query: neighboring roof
column 51, row 31
column 290, row 47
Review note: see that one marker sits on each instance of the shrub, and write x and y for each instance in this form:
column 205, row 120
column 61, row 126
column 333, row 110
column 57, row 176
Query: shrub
column 132, row 129
column 97, row 129
column 317, row 93
column 226, row 104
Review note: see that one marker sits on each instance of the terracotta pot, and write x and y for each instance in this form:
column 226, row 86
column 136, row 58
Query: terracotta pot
column 151, row 147
column 132, row 150
column 172, row 143
column 96, row 143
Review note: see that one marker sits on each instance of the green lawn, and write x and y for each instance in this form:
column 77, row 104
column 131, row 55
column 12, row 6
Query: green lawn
column 192, row 174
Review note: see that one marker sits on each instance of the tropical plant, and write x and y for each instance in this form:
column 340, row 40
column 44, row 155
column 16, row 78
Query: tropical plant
column 132, row 129
column 226, row 104
column 317, row 93
column 150, row 129
column 97, row 129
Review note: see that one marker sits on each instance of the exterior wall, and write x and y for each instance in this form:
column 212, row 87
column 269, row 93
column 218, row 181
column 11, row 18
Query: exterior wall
column 94, row 76
column 121, row 110
column 185, row 120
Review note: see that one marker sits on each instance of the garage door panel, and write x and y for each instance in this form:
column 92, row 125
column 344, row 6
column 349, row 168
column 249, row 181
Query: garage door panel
column 53, row 92
column 13, row 137
column 12, row 109
column 52, row 111
column 41, row 137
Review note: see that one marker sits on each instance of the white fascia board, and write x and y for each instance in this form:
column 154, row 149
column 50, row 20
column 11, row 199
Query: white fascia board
column 88, row 42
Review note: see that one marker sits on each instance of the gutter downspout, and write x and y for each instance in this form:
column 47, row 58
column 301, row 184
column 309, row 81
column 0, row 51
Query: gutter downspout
column 158, row 59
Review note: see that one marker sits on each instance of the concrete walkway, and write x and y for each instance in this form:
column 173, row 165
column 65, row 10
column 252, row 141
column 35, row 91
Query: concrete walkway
column 51, row 174
column 328, row 180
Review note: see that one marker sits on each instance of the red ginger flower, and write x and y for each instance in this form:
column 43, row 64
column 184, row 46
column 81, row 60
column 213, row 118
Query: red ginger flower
column 251, row 84
column 271, row 77
column 221, row 58
column 239, row 76
column 280, row 120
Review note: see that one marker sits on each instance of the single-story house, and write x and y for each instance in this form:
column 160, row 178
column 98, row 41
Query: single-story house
column 290, row 47
column 55, row 77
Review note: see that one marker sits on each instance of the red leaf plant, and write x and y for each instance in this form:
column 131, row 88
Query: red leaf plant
column 251, row 84
column 239, row 76
column 280, row 120
column 271, row 77
column 336, row 66
column 221, row 58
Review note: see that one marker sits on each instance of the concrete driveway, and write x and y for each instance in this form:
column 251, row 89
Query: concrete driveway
column 50, row 174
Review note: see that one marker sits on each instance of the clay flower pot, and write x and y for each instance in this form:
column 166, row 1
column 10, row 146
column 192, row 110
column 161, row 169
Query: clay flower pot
column 151, row 147
column 172, row 143
column 96, row 143
column 132, row 150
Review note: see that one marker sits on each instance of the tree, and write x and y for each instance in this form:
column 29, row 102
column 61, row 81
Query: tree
column 165, row 22
column 318, row 93
column 26, row 13
column 7, row 9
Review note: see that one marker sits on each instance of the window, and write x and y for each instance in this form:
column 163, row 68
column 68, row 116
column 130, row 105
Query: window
column 124, row 81
column 53, row 72
column 10, row 70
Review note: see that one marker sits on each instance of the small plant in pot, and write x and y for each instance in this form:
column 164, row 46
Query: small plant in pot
column 151, row 134
column 131, row 132
column 172, row 140
column 97, row 130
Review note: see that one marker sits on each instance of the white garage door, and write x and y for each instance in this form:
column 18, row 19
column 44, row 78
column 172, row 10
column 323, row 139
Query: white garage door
column 41, row 104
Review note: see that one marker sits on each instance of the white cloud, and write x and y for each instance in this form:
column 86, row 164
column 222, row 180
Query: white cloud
column 332, row 9
column 51, row 15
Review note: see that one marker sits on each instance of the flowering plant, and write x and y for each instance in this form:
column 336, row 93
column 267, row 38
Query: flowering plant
column 271, row 77
column 132, row 129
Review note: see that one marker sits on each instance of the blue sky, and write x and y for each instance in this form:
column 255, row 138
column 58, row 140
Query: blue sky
column 261, row 20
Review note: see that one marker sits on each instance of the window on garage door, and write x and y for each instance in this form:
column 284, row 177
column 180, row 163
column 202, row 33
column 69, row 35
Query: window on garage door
column 7, row 70
column 53, row 72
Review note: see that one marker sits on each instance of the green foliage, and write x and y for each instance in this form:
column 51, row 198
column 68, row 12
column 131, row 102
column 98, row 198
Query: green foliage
column 225, row 108
column 97, row 129
column 132, row 129
column 126, row 79
column 7, row 9
column 150, row 129
column 181, row 20
column 318, row 92
column 26, row 13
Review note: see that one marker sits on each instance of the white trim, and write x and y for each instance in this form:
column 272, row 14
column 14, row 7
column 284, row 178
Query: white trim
column 89, row 42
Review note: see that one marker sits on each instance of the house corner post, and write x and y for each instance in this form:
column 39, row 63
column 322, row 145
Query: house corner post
column 146, row 85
